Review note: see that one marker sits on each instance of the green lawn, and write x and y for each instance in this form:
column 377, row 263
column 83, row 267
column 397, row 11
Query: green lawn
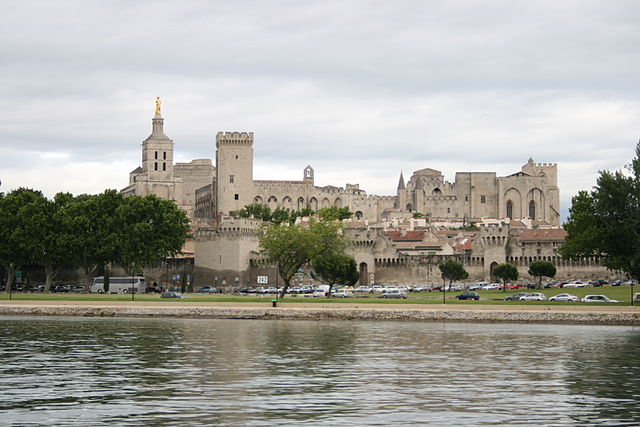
column 620, row 293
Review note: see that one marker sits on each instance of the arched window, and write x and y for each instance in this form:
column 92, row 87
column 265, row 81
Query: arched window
column 155, row 166
column 510, row 209
column 164, row 166
column 164, row 155
column 436, row 192
column 156, row 155
column 532, row 209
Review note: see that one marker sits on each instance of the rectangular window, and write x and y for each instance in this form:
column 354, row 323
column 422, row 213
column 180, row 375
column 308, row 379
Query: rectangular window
column 237, row 197
column 483, row 199
column 230, row 179
column 156, row 155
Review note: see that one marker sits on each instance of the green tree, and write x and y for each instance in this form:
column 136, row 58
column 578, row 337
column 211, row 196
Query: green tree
column 149, row 229
column 606, row 222
column 57, row 238
column 335, row 213
column 290, row 246
column 452, row 270
column 336, row 267
column 95, row 230
column 542, row 269
column 254, row 210
column 506, row 273
column 23, row 216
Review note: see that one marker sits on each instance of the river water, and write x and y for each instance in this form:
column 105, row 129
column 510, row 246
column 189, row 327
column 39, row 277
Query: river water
column 177, row 372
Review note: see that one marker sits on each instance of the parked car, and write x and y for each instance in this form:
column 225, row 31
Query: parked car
column 207, row 290
column 491, row 287
column 171, row 294
column 61, row 289
column 342, row 293
column 77, row 288
column 575, row 284
column 516, row 296
column 636, row 297
column 362, row 290
column 477, row 286
column 468, row 295
column 598, row 298
column 564, row 297
column 397, row 293
column 422, row 288
column 536, row 296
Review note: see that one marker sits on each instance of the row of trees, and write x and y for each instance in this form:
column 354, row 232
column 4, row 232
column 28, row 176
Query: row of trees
column 453, row 270
column 282, row 215
column 87, row 231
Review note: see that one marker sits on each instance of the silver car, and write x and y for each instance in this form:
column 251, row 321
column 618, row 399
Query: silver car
column 564, row 297
column 533, row 297
column 598, row 298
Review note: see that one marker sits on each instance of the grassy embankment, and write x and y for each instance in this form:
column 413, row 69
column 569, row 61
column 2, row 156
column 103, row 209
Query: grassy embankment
column 620, row 293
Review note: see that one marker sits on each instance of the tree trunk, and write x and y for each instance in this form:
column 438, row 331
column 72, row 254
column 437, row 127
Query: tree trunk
column 50, row 273
column 11, row 269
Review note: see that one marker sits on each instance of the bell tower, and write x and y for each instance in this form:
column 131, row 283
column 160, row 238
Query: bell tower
column 157, row 150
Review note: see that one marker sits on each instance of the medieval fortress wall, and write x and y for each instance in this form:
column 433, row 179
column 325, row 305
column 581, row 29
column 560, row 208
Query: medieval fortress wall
column 225, row 247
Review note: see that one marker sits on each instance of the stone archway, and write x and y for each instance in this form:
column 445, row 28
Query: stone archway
column 364, row 274
column 491, row 268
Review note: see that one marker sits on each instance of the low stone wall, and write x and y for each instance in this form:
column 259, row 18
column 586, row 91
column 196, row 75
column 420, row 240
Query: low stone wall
column 378, row 313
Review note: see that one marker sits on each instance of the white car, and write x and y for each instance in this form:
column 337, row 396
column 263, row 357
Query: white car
column 377, row 288
column 477, row 285
column 533, row 297
column 564, row 297
column 363, row 289
column 574, row 284
column 598, row 298
column 491, row 287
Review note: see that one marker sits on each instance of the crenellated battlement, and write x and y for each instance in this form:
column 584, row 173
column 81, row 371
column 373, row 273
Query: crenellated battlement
column 234, row 138
column 546, row 165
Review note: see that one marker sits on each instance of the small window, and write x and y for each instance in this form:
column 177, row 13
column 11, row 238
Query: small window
column 483, row 199
column 164, row 155
column 236, row 157
column 155, row 166
column 466, row 198
column 231, row 179
column 164, row 166
column 448, row 210
column 237, row 197
column 156, row 155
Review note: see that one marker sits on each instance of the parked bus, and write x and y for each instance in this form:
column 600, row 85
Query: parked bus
column 120, row 285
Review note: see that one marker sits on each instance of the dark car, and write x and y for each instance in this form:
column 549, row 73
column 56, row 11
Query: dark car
column 171, row 294
column 61, row 289
column 468, row 295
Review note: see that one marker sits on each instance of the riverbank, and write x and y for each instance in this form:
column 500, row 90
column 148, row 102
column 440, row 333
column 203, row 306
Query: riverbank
column 603, row 315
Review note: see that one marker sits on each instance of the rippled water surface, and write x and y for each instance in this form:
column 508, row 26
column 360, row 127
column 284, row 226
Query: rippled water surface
column 92, row 371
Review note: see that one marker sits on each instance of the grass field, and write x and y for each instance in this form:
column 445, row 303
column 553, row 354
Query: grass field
column 620, row 293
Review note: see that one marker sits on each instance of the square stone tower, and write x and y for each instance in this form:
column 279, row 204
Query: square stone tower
column 234, row 171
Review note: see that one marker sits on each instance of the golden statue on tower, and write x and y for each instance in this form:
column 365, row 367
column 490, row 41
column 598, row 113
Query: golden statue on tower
column 158, row 102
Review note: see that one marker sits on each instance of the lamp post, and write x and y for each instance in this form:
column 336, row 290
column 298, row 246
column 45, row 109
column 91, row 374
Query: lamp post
column 133, row 285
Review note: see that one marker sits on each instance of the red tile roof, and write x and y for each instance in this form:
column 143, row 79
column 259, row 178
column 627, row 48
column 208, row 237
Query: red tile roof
column 406, row 236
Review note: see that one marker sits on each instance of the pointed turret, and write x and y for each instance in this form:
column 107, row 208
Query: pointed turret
column 401, row 182
column 401, row 200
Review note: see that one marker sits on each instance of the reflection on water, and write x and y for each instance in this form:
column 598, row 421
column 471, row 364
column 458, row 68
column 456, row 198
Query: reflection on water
column 91, row 371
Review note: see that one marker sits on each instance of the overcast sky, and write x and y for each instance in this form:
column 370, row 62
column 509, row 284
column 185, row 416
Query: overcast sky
column 360, row 90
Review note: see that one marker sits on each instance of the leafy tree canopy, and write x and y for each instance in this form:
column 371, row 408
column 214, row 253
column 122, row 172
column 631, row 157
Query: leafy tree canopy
column 453, row 270
column 336, row 267
column 290, row 246
column 542, row 269
column 506, row 273
column 606, row 221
